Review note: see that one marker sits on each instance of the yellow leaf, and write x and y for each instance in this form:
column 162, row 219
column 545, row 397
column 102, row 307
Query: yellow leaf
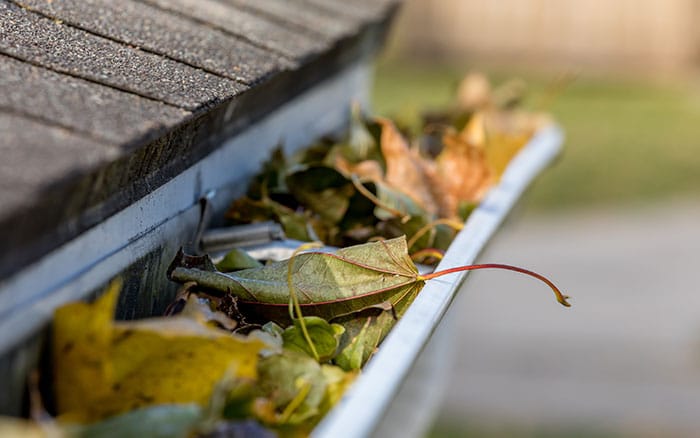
column 508, row 132
column 501, row 148
column 105, row 368
column 81, row 341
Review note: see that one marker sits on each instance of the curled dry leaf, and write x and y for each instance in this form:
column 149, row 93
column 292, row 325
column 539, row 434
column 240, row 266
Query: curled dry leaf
column 444, row 173
column 462, row 167
column 328, row 285
column 406, row 170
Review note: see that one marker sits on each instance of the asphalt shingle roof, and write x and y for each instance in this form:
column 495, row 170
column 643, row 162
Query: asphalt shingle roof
column 102, row 101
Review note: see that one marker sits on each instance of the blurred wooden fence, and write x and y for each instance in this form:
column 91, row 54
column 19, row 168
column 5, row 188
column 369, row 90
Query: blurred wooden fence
column 654, row 34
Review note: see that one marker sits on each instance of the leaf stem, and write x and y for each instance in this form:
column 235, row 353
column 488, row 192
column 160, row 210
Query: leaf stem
column 456, row 225
column 294, row 299
column 296, row 401
column 560, row 297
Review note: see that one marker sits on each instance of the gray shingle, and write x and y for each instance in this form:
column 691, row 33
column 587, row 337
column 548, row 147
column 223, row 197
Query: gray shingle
column 255, row 28
column 91, row 122
column 174, row 36
column 309, row 19
column 35, row 156
column 98, row 111
column 51, row 44
column 366, row 10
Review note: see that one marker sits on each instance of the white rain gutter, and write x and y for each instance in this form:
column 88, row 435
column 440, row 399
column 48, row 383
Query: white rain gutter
column 382, row 401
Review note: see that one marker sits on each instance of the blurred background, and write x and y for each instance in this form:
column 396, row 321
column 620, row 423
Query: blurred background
column 614, row 222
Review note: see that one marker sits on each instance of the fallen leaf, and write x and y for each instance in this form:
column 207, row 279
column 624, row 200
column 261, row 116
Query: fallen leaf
column 437, row 236
column 162, row 421
column 337, row 382
column 500, row 150
column 82, row 336
column 323, row 190
column 297, row 390
column 372, row 284
column 247, row 210
column 389, row 203
column 362, row 337
column 325, row 337
column 368, row 170
column 200, row 310
column 405, row 169
column 360, row 141
column 235, row 260
column 103, row 368
column 508, row 132
column 347, row 287
column 295, row 385
column 328, row 285
column 462, row 167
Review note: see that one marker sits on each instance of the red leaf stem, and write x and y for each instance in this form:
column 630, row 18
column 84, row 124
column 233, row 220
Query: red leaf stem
column 560, row 297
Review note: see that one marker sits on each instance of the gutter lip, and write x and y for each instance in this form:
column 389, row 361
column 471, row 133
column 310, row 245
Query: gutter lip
column 361, row 410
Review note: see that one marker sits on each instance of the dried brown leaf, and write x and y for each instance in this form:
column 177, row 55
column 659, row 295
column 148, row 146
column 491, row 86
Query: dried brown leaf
column 405, row 169
column 462, row 167
column 368, row 170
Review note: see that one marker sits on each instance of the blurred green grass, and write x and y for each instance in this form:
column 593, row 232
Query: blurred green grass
column 627, row 140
